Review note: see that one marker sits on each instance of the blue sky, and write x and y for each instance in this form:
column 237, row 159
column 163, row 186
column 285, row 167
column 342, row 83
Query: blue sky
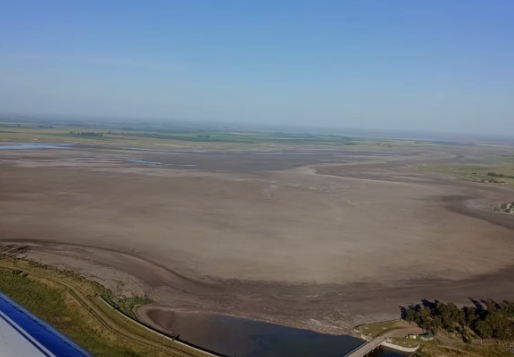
column 435, row 65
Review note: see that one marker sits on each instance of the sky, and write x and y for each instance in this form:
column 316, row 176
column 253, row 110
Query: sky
column 434, row 65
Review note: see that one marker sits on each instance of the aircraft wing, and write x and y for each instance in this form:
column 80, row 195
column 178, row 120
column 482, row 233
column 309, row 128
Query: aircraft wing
column 24, row 335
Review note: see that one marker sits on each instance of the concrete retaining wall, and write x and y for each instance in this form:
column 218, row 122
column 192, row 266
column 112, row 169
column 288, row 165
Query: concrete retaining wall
column 399, row 348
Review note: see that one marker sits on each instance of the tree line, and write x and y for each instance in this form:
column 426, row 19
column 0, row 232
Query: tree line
column 494, row 174
column 86, row 133
column 490, row 321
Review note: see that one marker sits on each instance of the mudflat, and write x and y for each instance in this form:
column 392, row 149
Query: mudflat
column 319, row 239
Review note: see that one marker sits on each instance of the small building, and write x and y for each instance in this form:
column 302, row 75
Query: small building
column 424, row 336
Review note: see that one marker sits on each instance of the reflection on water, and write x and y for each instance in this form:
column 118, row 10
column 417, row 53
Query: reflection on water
column 31, row 146
column 234, row 336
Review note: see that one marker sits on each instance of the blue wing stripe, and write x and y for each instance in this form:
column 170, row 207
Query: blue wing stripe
column 48, row 337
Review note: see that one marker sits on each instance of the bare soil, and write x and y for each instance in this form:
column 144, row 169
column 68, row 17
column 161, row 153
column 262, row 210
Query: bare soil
column 322, row 240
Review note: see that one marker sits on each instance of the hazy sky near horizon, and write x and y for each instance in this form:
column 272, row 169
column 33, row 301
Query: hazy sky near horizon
column 434, row 65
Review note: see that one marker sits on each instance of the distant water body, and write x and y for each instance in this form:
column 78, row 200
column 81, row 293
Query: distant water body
column 41, row 146
column 31, row 146
column 233, row 336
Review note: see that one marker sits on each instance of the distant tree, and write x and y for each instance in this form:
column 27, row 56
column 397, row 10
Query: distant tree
column 483, row 330
column 496, row 320
column 461, row 317
column 449, row 314
column 411, row 315
column 499, row 325
column 87, row 133
column 424, row 318
column 494, row 174
column 491, row 306
column 436, row 324
column 470, row 315
column 507, row 308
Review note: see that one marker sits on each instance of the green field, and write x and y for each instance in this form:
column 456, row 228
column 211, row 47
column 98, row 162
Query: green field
column 143, row 136
column 50, row 304
column 497, row 175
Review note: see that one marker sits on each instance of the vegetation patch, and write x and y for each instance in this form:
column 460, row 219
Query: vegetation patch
column 485, row 329
column 507, row 208
column 52, row 304
column 92, row 134
column 126, row 305
column 490, row 321
column 475, row 173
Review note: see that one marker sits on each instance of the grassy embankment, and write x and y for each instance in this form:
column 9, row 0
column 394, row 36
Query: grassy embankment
column 78, row 309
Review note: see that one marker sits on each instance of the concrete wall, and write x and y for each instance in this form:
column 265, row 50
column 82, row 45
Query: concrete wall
column 399, row 348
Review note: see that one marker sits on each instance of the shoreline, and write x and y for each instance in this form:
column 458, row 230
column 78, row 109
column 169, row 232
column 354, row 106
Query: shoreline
column 170, row 290
column 99, row 307
column 104, row 311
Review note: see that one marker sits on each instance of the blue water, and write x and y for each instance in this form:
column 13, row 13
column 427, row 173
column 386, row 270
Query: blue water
column 231, row 336
column 30, row 146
